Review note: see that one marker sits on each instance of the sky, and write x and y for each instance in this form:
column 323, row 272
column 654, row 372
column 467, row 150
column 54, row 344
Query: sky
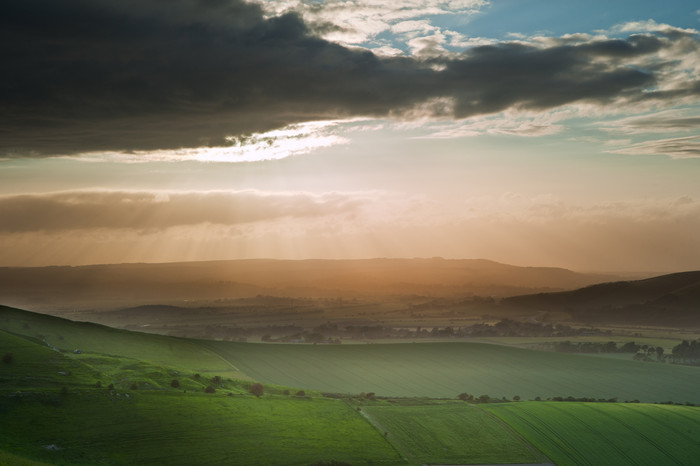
column 529, row 132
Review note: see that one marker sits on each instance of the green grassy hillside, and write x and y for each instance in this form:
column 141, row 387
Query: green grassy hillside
column 114, row 403
column 52, row 411
column 87, row 337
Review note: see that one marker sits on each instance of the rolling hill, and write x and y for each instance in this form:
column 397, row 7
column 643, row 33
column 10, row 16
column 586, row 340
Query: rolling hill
column 666, row 300
column 80, row 393
column 108, row 286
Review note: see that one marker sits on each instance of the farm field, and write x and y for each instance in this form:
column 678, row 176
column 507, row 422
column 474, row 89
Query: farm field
column 451, row 433
column 607, row 433
column 436, row 369
column 443, row 370
column 148, row 427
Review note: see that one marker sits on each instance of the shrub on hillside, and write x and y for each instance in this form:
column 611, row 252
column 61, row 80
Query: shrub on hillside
column 257, row 389
column 209, row 389
column 8, row 358
column 301, row 393
column 175, row 383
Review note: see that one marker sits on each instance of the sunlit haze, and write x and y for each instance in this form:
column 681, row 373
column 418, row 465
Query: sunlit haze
column 530, row 133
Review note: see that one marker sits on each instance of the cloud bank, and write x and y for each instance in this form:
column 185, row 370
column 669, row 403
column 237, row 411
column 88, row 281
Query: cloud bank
column 96, row 75
column 157, row 211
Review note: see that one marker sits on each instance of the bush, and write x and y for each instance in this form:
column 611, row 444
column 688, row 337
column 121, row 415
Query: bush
column 209, row 389
column 301, row 393
column 216, row 380
column 175, row 383
column 8, row 358
column 516, row 398
column 111, row 386
column 285, row 392
column 257, row 389
column 465, row 397
column 134, row 386
column 98, row 384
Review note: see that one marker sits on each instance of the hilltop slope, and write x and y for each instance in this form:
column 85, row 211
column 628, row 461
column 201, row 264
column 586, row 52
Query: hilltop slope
column 666, row 300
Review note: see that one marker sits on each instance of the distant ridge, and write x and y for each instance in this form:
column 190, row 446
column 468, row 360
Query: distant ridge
column 666, row 300
column 144, row 283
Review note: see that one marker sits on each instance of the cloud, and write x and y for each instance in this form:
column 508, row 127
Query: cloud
column 361, row 21
column 659, row 122
column 156, row 211
column 675, row 148
column 97, row 75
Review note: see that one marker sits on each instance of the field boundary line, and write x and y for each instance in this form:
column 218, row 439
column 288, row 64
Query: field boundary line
column 395, row 443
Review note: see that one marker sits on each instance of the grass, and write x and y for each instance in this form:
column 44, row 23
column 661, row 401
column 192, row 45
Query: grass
column 443, row 370
column 65, row 419
column 452, row 433
column 422, row 369
column 607, row 433
column 99, row 427
column 87, row 337
column 52, row 412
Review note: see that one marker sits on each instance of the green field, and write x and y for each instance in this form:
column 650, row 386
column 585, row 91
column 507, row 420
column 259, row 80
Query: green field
column 607, row 433
column 446, row 369
column 87, row 337
column 451, row 433
column 56, row 406
column 52, row 411
column 99, row 427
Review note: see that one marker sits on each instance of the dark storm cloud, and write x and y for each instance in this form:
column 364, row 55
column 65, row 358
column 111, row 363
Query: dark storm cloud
column 88, row 75
column 85, row 210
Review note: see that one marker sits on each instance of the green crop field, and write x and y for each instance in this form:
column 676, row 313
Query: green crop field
column 451, row 433
column 607, row 433
column 446, row 369
column 57, row 407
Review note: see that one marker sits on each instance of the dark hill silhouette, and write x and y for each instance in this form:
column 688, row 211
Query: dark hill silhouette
column 666, row 300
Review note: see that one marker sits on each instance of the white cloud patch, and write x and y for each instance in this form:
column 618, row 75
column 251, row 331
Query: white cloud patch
column 296, row 139
column 675, row 148
column 361, row 21
column 667, row 121
column 514, row 123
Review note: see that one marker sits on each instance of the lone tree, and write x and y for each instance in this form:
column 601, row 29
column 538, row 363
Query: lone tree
column 465, row 397
column 175, row 383
column 301, row 393
column 257, row 389
column 209, row 389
